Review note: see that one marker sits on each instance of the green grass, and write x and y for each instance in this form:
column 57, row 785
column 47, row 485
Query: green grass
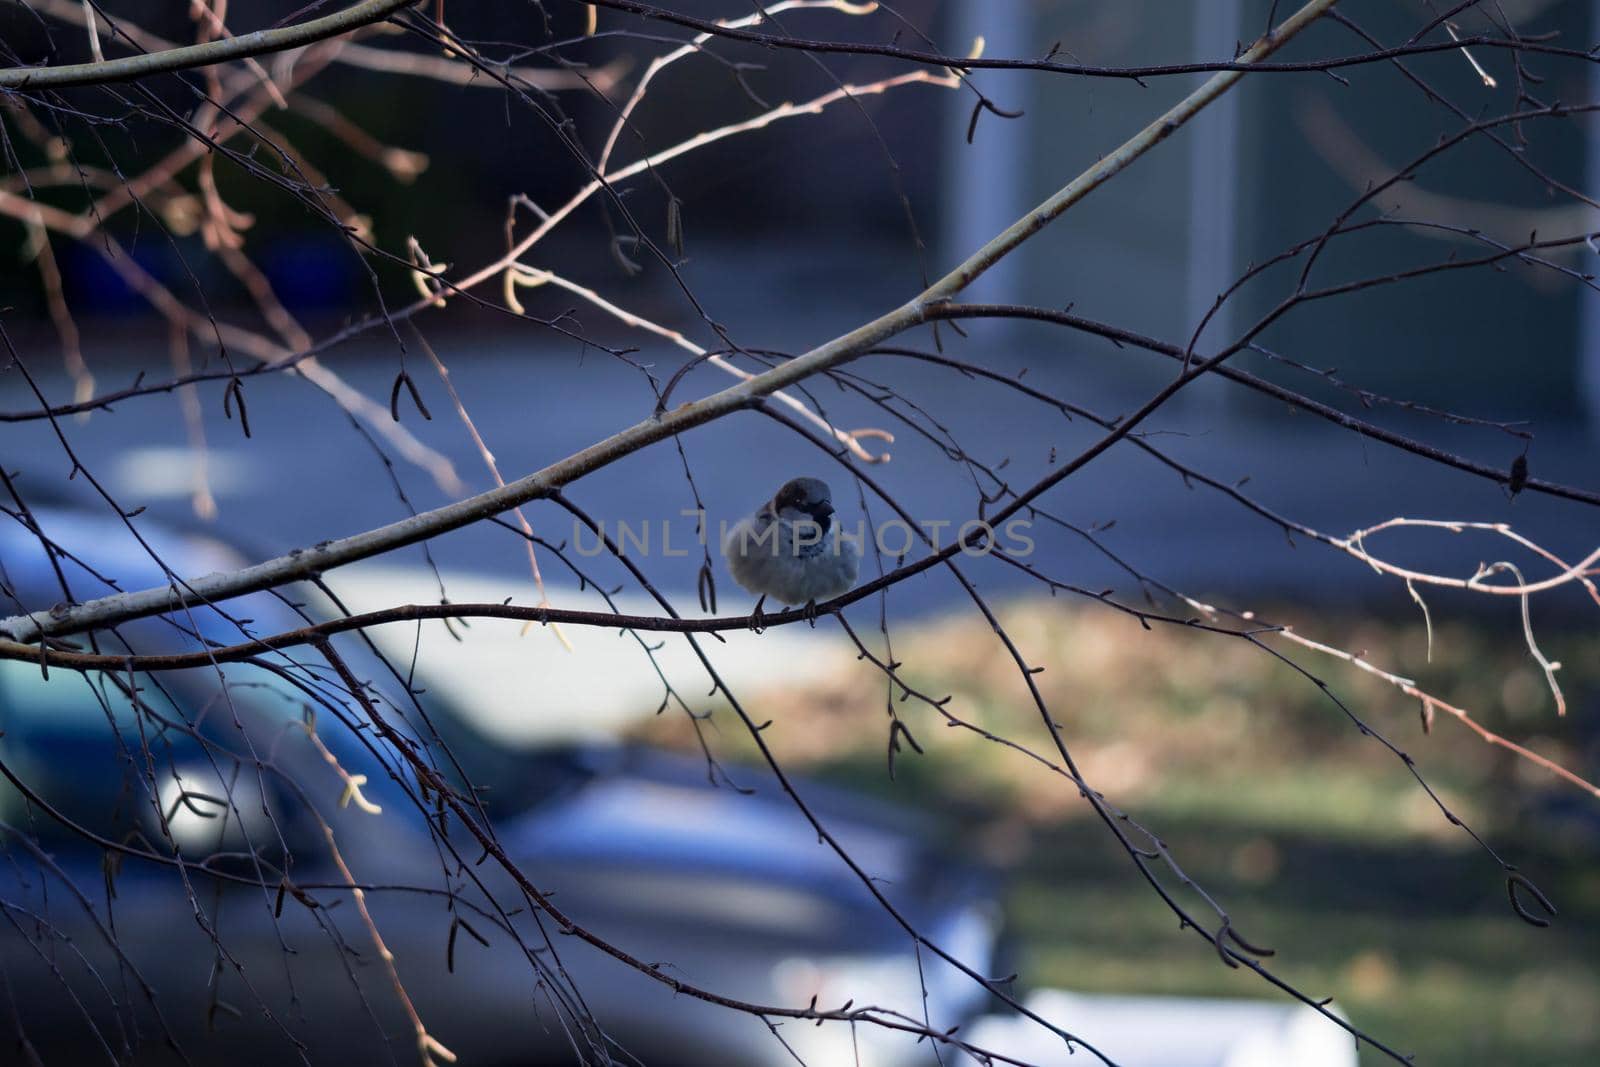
column 1416, row 944
column 1316, row 838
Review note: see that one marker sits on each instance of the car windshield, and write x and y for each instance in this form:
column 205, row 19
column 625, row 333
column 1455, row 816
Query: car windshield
column 196, row 756
column 128, row 757
column 275, row 702
column 70, row 714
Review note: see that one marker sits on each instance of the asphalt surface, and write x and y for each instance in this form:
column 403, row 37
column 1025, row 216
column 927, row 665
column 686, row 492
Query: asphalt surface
column 306, row 474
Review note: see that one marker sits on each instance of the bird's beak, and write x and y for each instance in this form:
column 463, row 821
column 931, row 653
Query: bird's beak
column 823, row 511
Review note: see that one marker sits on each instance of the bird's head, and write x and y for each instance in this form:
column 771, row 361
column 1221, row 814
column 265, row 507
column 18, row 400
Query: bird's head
column 804, row 498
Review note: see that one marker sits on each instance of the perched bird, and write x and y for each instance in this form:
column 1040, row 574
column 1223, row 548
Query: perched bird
column 791, row 549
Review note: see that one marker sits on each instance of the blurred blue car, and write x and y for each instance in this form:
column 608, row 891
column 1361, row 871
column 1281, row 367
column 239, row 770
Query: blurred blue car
column 255, row 951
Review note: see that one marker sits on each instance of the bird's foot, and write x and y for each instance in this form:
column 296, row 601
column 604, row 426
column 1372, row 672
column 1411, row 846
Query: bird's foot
column 758, row 620
column 810, row 613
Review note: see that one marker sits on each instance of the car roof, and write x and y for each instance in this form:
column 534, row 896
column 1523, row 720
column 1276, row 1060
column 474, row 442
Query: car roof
column 97, row 554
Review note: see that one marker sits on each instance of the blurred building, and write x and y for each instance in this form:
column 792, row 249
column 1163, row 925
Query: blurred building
column 1271, row 164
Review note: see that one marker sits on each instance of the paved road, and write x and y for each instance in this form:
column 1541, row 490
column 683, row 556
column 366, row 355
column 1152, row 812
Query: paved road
column 306, row 475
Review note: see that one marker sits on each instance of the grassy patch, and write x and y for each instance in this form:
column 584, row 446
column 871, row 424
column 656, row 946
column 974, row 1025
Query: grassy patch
column 1314, row 835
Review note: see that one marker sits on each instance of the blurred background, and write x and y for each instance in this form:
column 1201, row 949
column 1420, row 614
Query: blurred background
column 1318, row 839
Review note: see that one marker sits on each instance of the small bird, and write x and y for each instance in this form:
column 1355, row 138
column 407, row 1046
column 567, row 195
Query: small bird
column 791, row 549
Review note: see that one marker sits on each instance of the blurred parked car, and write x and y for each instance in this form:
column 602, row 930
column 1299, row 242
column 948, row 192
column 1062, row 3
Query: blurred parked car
column 103, row 955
